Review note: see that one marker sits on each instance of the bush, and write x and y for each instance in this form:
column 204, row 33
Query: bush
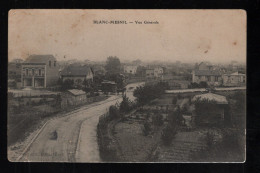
column 125, row 105
column 209, row 139
column 113, row 112
column 168, row 134
column 157, row 120
column 147, row 128
column 174, row 100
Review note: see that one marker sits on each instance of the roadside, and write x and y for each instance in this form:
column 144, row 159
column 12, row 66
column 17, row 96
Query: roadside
column 29, row 128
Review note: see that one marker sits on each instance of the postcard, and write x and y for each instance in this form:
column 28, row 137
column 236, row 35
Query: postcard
column 145, row 86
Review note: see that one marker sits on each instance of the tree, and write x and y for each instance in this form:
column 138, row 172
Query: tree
column 67, row 84
column 125, row 105
column 113, row 65
column 203, row 84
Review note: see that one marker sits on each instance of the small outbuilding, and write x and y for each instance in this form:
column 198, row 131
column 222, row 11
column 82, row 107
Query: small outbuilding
column 210, row 109
column 73, row 97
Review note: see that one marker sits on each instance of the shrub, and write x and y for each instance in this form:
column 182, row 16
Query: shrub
column 125, row 105
column 157, row 120
column 113, row 112
column 147, row 128
column 209, row 139
column 168, row 134
column 174, row 100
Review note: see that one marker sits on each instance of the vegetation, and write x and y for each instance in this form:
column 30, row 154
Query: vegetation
column 113, row 65
column 126, row 105
column 147, row 128
column 145, row 94
column 202, row 84
column 175, row 120
column 157, row 120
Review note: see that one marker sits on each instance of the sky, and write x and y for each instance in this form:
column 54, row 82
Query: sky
column 181, row 35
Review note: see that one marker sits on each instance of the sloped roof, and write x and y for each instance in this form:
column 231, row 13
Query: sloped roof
column 108, row 82
column 76, row 92
column 234, row 74
column 219, row 99
column 76, row 71
column 40, row 59
column 207, row 73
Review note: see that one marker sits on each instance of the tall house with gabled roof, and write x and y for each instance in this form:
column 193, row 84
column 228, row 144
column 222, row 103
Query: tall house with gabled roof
column 40, row 71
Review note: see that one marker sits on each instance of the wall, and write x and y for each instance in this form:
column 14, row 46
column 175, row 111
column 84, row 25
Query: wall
column 52, row 74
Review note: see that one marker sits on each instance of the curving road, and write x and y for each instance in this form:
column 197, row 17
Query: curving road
column 77, row 140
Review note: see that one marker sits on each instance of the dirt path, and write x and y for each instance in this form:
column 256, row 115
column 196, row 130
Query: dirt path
column 63, row 149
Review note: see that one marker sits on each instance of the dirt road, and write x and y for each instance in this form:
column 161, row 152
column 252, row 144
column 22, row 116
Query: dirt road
column 63, row 149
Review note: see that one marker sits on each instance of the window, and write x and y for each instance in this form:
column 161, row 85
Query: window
column 50, row 63
column 27, row 72
column 40, row 72
column 216, row 78
column 32, row 71
column 208, row 78
column 54, row 63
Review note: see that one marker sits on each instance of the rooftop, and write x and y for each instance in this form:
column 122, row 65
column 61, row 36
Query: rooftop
column 76, row 71
column 77, row 92
column 207, row 73
column 211, row 97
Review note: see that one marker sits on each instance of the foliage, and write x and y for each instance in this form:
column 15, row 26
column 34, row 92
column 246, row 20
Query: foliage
column 147, row 128
column 157, row 120
column 67, row 84
column 114, row 112
column 174, row 100
column 209, row 139
column 168, row 134
column 113, row 65
column 240, row 99
column 175, row 118
column 202, row 84
column 125, row 105
column 146, row 93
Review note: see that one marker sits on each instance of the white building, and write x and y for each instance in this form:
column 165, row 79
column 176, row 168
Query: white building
column 131, row 69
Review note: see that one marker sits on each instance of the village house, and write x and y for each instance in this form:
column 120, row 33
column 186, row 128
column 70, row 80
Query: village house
column 158, row 72
column 210, row 109
column 149, row 73
column 234, row 79
column 80, row 75
column 131, row 69
column 40, row 71
column 205, row 73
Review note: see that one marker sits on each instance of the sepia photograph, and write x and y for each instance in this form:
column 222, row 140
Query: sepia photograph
column 127, row 86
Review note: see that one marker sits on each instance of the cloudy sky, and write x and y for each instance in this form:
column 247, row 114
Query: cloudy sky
column 184, row 35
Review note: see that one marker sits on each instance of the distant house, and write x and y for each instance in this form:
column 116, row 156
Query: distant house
column 158, row 72
column 131, row 69
column 204, row 66
column 234, row 79
column 205, row 72
column 211, row 77
column 40, row 71
column 149, row 73
column 209, row 109
column 81, row 75
column 73, row 97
